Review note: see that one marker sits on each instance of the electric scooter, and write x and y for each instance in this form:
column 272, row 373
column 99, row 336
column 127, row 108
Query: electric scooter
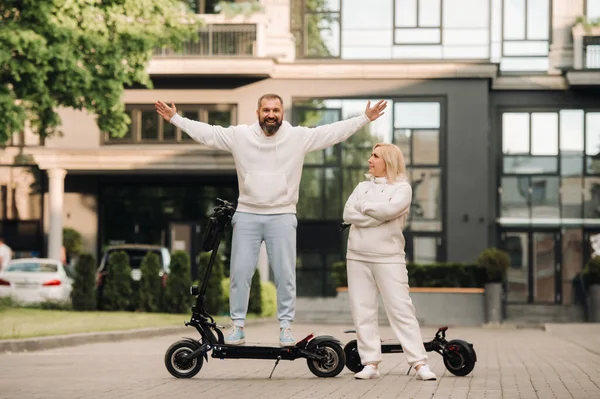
column 184, row 359
column 459, row 356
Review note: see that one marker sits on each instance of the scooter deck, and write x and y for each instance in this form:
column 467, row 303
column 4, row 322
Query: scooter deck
column 255, row 352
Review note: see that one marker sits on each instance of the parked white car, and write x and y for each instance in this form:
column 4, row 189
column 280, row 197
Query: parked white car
column 34, row 280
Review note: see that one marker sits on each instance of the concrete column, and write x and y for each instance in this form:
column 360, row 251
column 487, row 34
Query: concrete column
column 564, row 14
column 280, row 42
column 56, row 194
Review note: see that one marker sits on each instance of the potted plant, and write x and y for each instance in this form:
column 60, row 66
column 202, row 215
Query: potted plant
column 591, row 278
column 496, row 263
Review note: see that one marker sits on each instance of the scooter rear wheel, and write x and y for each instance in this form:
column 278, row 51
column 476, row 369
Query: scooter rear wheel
column 352, row 357
column 459, row 357
column 333, row 362
column 177, row 365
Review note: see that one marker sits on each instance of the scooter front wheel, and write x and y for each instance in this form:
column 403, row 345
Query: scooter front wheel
column 459, row 357
column 352, row 357
column 176, row 363
column 333, row 360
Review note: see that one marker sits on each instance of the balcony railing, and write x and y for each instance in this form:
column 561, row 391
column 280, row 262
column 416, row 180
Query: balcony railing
column 591, row 52
column 218, row 40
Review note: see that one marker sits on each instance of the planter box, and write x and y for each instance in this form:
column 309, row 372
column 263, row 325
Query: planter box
column 434, row 307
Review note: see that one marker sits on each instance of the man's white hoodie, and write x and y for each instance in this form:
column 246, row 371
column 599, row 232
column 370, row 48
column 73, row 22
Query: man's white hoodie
column 269, row 168
column 377, row 211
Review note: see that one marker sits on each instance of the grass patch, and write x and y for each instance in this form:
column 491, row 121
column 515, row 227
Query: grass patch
column 17, row 323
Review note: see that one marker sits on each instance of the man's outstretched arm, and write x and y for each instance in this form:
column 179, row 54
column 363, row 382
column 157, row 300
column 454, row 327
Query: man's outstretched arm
column 212, row 136
column 325, row 136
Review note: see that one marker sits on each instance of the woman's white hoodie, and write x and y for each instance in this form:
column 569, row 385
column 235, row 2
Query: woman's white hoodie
column 377, row 211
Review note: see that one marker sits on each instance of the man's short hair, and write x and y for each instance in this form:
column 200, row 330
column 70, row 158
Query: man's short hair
column 269, row 96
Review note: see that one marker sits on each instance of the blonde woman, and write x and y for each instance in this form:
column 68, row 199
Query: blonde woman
column 377, row 211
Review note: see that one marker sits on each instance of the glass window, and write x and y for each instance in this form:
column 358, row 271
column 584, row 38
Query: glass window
column 571, row 131
column 424, row 250
column 592, row 133
column 309, row 204
column 530, row 165
column 32, row 267
column 514, row 19
column 322, row 35
column 193, row 115
column 571, row 197
column 406, row 13
column 332, row 209
column 592, row 9
column 426, row 189
column 515, row 133
column 402, row 138
column 544, row 262
column 571, row 165
column 591, row 197
column 426, row 147
column 544, row 133
column 149, row 125
column 219, row 118
column 351, row 179
column 538, row 19
column 517, row 247
column 572, row 261
column 545, row 197
column 514, row 200
column 169, row 131
column 417, row 115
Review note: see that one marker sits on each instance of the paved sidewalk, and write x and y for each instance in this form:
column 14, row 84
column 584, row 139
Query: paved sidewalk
column 512, row 363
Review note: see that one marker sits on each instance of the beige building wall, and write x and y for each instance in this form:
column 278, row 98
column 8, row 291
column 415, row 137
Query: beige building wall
column 80, row 212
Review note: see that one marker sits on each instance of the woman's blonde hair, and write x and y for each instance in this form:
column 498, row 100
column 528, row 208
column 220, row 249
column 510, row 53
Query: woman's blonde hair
column 395, row 166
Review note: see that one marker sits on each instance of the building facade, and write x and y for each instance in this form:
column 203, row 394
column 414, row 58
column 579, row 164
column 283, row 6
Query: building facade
column 495, row 104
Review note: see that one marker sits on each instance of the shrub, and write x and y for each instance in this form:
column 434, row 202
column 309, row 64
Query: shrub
column 214, row 302
column 444, row 275
column 591, row 272
column 117, row 287
column 339, row 274
column 150, row 290
column 83, row 295
column 269, row 299
column 495, row 262
column 177, row 290
column 73, row 242
column 255, row 302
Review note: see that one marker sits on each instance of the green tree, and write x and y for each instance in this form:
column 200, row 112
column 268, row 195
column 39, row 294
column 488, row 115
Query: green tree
column 177, row 290
column 255, row 302
column 117, row 291
column 80, row 54
column 214, row 302
column 83, row 295
column 150, row 292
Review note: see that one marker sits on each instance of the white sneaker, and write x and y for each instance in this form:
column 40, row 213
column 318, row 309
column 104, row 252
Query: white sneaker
column 423, row 373
column 368, row 373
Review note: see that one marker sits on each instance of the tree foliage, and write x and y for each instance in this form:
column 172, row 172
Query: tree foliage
column 80, row 54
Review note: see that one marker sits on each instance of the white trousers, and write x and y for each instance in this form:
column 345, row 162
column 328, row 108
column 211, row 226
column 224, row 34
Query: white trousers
column 365, row 279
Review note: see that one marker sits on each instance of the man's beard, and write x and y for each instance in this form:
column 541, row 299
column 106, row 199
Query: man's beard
column 270, row 128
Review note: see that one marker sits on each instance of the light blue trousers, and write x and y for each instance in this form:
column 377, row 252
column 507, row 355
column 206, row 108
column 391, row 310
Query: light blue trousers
column 279, row 234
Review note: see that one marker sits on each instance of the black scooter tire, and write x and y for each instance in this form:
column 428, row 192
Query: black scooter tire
column 332, row 365
column 352, row 357
column 459, row 357
column 176, row 366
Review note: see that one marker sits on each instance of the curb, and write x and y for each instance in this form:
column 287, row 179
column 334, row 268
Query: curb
column 62, row 341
